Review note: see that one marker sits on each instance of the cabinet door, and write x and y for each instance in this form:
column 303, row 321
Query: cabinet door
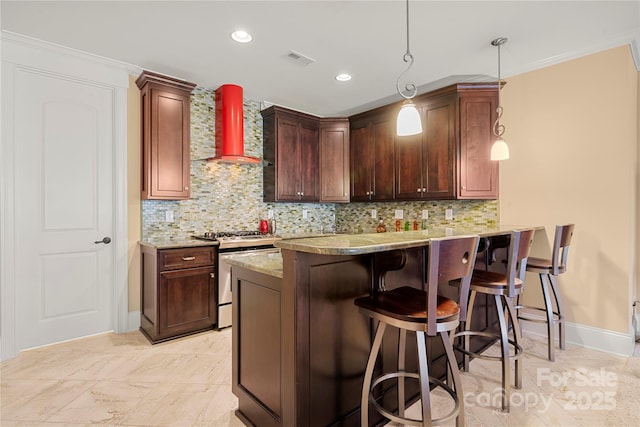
column 409, row 167
column 287, row 160
column 383, row 131
column 166, row 162
column 478, row 174
column 361, row 161
column 308, row 161
column 187, row 301
column 438, row 148
column 334, row 162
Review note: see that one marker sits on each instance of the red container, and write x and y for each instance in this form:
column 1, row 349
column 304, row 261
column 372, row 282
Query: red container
column 264, row 226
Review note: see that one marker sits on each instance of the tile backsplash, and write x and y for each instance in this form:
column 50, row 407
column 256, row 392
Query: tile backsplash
column 228, row 197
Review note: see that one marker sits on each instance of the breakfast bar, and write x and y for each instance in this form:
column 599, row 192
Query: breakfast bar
column 300, row 346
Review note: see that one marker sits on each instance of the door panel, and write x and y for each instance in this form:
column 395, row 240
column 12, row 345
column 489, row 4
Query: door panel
column 64, row 133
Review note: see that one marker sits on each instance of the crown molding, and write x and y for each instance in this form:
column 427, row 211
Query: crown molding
column 26, row 41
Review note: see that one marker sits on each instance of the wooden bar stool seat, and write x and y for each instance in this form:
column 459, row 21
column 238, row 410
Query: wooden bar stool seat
column 503, row 287
column 548, row 270
column 425, row 313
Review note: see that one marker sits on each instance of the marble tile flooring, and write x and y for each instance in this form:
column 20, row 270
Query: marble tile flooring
column 122, row 380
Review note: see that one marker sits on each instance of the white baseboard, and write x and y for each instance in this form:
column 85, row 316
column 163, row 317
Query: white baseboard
column 587, row 336
column 133, row 321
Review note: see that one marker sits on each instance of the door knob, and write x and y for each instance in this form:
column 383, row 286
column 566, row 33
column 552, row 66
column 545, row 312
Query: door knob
column 105, row 240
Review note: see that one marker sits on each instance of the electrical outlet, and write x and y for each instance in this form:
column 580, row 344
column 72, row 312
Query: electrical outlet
column 270, row 214
column 448, row 214
column 374, row 213
column 168, row 216
column 305, row 214
column 425, row 214
column 399, row 214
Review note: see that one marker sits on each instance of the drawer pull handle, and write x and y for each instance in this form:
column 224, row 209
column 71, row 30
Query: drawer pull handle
column 188, row 258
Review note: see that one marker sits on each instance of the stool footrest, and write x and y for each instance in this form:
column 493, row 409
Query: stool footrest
column 557, row 317
column 518, row 350
column 411, row 421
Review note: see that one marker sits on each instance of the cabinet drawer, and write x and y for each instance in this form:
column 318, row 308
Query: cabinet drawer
column 174, row 259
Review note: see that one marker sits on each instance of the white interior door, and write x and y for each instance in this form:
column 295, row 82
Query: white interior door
column 64, row 137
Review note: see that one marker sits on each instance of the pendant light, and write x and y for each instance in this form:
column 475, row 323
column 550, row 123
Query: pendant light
column 499, row 149
column 408, row 122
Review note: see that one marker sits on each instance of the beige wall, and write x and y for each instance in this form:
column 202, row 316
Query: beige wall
column 133, row 190
column 572, row 130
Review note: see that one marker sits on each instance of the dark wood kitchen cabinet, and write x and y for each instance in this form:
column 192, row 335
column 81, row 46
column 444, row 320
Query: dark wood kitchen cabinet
column 290, row 150
column 165, row 113
column 372, row 156
column 449, row 160
column 478, row 175
column 178, row 291
column 334, row 160
column 425, row 162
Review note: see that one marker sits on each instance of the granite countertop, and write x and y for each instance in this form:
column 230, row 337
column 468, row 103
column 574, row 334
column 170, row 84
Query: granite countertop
column 359, row 244
column 266, row 261
column 177, row 243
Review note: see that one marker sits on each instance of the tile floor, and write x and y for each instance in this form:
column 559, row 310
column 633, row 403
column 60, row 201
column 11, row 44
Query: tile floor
column 122, row 380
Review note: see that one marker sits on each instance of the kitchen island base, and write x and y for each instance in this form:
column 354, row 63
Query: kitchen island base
column 300, row 345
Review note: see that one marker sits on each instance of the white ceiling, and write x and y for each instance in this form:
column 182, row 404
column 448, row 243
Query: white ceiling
column 450, row 41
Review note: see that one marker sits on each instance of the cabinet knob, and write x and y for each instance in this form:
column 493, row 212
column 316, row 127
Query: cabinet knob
column 212, row 275
column 188, row 258
column 424, row 190
column 186, row 188
column 419, row 190
column 464, row 187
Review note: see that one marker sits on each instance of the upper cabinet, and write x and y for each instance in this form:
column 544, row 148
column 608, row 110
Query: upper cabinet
column 450, row 159
column 291, row 154
column 334, row 160
column 477, row 173
column 165, row 112
column 307, row 158
column 372, row 154
column 425, row 163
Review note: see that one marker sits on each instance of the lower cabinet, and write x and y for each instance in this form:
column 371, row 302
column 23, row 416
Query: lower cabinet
column 178, row 292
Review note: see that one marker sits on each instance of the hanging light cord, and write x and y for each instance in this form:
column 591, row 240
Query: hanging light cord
column 408, row 57
column 498, row 129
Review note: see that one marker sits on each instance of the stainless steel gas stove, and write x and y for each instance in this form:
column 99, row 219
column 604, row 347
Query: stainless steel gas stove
column 231, row 242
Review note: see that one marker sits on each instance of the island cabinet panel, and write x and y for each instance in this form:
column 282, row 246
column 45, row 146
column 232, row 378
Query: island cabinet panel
column 334, row 160
column 257, row 375
column 165, row 112
column 290, row 150
column 372, row 156
column 178, row 292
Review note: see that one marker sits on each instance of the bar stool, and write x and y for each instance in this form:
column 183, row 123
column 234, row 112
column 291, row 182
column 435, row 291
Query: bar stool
column 410, row 309
column 503, row 287
column 549, row 269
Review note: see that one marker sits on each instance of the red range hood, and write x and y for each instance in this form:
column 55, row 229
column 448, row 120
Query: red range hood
column 230, row 126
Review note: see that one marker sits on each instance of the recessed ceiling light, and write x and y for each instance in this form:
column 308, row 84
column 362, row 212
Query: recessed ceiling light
column 241, row 36
column 344, row 77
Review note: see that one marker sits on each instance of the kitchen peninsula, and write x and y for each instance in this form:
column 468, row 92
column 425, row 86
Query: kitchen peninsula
column 300, row 346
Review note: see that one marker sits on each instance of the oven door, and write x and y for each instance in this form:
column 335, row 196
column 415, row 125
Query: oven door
column 225, row 297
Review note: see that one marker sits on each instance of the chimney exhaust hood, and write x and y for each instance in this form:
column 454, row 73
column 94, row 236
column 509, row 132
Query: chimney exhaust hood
column 230, row 126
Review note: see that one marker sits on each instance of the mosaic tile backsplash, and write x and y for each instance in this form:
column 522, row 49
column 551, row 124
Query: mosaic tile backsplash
column 228, row 197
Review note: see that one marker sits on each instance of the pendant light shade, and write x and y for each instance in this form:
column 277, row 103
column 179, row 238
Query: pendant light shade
column 409, row 122
column 499, row 150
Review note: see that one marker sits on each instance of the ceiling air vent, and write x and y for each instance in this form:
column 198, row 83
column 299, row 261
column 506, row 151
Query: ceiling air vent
column 299, row 58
